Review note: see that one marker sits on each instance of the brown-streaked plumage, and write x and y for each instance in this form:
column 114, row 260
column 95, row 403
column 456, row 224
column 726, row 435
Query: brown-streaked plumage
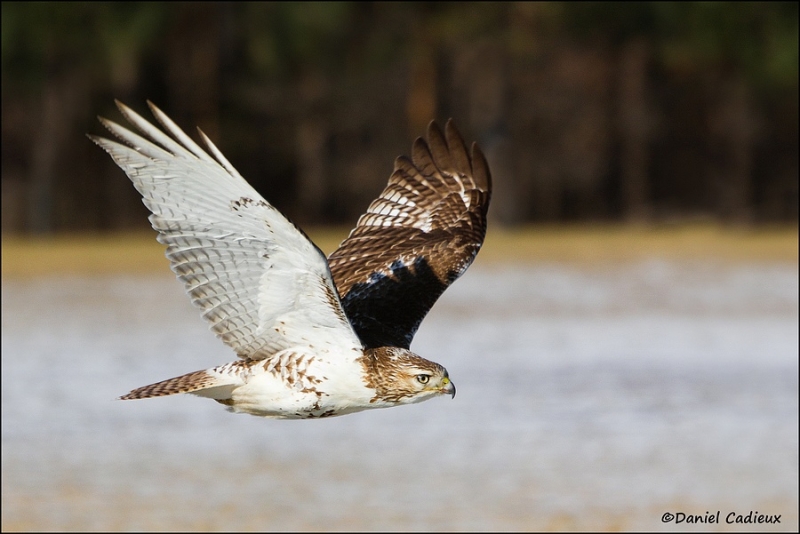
column 315, row 337
column 415, row 239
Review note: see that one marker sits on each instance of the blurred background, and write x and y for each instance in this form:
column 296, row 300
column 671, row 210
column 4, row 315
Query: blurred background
column 647, row 111
column 625, row 345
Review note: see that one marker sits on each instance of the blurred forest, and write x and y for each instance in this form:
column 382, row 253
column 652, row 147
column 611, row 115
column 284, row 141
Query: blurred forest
column 647, row 112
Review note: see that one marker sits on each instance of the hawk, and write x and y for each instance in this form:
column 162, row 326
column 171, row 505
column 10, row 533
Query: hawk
column 314, row 337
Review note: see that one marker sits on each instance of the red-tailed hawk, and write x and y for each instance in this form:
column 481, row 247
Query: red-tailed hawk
column 315, row 337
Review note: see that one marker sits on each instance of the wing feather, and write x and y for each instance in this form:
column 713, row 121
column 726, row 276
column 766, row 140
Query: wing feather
column 415, row 239
column 259, row 281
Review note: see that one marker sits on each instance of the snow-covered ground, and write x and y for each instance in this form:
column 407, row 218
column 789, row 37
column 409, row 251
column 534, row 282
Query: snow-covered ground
column 588, row 397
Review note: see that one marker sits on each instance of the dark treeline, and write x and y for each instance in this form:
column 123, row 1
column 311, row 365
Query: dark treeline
column 601, row 111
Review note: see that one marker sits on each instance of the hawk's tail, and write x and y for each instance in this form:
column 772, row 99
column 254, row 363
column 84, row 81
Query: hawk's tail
column 206, row 383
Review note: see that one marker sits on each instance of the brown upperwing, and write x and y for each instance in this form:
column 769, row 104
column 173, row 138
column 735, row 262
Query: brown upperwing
column 415, row 239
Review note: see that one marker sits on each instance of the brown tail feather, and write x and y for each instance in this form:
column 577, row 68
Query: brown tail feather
column 180, row 384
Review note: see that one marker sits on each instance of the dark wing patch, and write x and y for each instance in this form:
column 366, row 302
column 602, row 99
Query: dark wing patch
column 415, row 239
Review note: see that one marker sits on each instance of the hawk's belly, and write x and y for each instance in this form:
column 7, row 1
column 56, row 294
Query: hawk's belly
column 313, row 395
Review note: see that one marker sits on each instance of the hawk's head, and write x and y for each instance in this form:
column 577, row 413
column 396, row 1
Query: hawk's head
column 401, row 377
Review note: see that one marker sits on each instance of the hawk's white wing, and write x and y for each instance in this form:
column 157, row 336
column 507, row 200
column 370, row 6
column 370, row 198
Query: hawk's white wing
column 260, row 282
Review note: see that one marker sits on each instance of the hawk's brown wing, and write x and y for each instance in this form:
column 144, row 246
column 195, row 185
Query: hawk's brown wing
column 415, row 239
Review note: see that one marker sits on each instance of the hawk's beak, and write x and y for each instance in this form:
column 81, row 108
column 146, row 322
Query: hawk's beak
column 448, row 388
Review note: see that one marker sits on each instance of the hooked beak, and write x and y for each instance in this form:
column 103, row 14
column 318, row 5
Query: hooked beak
column 448, row 388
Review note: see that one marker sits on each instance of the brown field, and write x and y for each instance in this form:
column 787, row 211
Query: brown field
column 141, row 253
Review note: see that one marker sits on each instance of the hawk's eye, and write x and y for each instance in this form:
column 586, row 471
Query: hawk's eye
column 423, row 379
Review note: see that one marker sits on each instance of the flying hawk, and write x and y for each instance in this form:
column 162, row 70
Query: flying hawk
column 315, row 337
